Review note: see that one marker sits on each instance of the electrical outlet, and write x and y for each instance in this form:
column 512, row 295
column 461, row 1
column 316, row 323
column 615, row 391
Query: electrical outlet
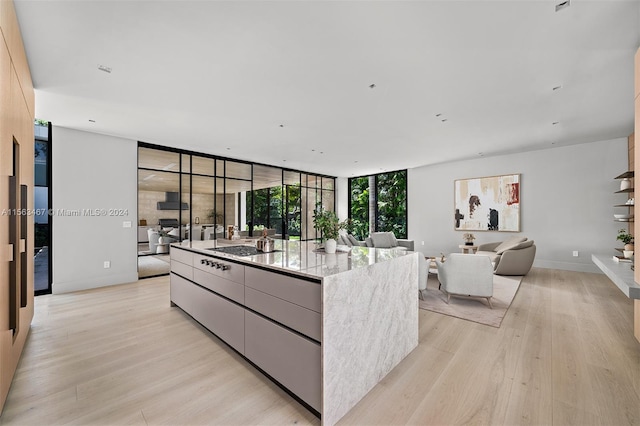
column 107, row 264
column 126, row 224
column 575, row 253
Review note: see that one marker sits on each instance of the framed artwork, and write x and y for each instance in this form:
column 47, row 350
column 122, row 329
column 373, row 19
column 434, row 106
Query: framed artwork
column 487, row 203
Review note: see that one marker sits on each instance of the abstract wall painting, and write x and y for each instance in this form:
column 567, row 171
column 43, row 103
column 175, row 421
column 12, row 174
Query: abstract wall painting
column 487, row 203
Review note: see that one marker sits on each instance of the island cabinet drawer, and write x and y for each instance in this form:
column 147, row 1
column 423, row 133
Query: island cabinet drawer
column 292, row 360
column 301, row 319
column 223, row 318
column 220, row 267
column 223, row 286
column 182, row 256
column 182, row 269
column 303, row 293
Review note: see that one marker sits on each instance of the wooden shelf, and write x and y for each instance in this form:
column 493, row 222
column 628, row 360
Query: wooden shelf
column 623, row 220
column 625, row 175
column 623, row 205
column 624, row 191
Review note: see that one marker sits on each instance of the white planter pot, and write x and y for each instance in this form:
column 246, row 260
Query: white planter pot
column 330, row 246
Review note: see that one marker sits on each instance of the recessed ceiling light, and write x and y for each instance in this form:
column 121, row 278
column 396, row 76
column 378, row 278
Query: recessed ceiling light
column 444, row 119
column 563, row 5
column 372, row 86
column 282, row 125
column 228, row 149
column 438, row 114
column 92, row 121
column 104, row 68
column 555, row 122
column 557, row 88
column 321, row 152
column 356, row 161
column 313, row 150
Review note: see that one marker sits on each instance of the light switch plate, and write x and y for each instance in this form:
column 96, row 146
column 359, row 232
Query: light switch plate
column 126, row 224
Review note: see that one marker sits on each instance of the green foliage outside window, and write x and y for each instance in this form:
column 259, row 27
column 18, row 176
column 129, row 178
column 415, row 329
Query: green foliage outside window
column 391, row 206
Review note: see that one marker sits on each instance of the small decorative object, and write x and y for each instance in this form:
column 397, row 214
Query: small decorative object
column 626, row 238
column 327, row 223
column 143, row 222
column 625, row 184
column 627, row 254
column 468, row 239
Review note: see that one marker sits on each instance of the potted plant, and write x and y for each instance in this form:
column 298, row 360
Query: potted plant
column 329, row 226
column 626, row 238
column 468, row 239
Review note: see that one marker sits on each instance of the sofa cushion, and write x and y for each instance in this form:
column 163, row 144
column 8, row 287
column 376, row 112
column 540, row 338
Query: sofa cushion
column 523, row 245
column 509, row 243
column 381, row 240
column 369, row 242
column 492, row 255
column 352, row 240
column 392, row 239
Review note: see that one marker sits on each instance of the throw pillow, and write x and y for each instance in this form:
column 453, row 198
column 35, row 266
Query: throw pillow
column 392, row 239
column 381, row 240
column 352, row 240
column 509, row 243
column 523, row 245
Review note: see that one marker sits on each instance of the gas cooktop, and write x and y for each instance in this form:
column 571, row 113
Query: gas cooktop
column 239, row 250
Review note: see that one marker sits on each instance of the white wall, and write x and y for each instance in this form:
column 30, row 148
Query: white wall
column 92, row 171
column 567, row 198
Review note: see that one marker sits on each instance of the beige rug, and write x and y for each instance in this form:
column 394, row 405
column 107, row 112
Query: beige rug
column 473, row 309
column 150, row 266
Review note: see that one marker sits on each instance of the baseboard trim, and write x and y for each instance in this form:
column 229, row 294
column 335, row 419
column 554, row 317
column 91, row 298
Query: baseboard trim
column 567, row 266
column 87, row 284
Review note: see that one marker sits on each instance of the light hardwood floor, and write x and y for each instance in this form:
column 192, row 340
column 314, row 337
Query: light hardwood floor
column 565, row 354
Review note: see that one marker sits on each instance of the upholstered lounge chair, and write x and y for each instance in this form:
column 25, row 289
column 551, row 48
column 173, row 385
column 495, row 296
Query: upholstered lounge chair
column 466, row 275
column 514, row 256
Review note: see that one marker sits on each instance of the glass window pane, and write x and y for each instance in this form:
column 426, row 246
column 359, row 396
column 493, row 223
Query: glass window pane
column 220, row 168
column 238, row 170
column 202, row 165
column 312, row 181
column 291, row 178
column 328, row 183
column 202, row 208
column 156, row 187
column 359, row 213
column 156, row 159
column 186, row 163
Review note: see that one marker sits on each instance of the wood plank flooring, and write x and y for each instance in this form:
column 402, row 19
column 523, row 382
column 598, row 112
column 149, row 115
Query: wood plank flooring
column 564, row 355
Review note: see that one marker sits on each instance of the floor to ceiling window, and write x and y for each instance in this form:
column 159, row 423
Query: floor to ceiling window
column 186, row 195
column 378, row 203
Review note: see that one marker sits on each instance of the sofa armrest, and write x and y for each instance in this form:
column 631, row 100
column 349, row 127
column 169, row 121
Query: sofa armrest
column 408, row 244
column 489, row 246
column 516, row 262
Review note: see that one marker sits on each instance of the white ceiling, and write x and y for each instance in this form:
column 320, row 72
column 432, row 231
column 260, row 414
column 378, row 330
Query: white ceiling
column 221, row 76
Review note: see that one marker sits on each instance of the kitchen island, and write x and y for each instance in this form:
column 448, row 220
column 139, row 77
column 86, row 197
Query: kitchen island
column 325, row 327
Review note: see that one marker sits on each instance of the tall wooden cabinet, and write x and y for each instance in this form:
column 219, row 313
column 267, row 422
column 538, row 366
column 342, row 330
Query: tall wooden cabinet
column 16, row 196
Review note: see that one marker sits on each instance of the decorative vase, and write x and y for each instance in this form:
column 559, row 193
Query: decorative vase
column 160, row 240
column 330, row 246
column 627, row 254
column 625, row 184
column 629, row 247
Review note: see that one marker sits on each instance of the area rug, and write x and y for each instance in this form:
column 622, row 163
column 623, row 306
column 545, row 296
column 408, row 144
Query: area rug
column 149, row 266
column 473, row 309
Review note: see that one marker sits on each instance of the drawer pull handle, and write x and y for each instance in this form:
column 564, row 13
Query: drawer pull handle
column 218, row 265
column 203, row 261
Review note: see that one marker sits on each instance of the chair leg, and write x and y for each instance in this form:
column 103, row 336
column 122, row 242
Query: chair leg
column 489, row 300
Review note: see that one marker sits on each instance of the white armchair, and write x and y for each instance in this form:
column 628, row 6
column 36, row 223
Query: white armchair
column 466, row 275
column 153, row 239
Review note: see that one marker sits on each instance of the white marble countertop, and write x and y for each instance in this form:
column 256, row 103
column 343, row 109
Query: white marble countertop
column 299, row 257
